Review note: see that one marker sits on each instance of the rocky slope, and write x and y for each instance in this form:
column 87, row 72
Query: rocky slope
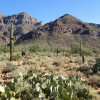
column 65, row 30
column 95, row 25
column 23, row 23
column 20, row 18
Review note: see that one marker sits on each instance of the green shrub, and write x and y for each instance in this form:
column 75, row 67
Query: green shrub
column 9, row 68
column 16, row 57
column 87, row 52
column 67, row 54
column 35, row 48
column 96, row 51
column 57, row 50
column 75, row 50
column 4, row 49
column 85, row 69
column 45, row 49
column 96, row 67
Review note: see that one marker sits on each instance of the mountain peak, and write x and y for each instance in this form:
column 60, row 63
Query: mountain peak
column 1, row 15
column 20, row 18
column 23, row 13
column 69, row 17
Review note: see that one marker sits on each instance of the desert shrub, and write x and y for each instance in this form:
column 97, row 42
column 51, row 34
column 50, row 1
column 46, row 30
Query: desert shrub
column 71, row 61
column 87, row 52
column 56, row 63
column 28, row 63
column 67, row 55
column 95, row 80
column 4, row 49
column 96, row 66
column 16, row 57
column 57, row 50
column 35, row 48
column 96, row 51
column 85, row 69
column 75, row 50
column 9, row 68
column 45, row 50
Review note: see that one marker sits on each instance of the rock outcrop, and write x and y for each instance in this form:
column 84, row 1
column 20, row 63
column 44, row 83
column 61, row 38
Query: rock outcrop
column 20, row 18
column 23, row 23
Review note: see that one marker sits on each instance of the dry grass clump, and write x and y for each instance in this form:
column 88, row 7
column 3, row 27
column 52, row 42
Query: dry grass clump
column 95, row 80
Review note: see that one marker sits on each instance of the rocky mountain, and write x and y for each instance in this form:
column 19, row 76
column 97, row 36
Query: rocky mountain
column 20, row 18
column 65, row 31
column 1, row 15
column 95, row 25
column 23, row 23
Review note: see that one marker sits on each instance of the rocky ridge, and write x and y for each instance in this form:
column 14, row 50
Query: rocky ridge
column 61, row 29
column 23, row 23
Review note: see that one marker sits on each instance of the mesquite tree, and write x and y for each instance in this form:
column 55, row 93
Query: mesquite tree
column 11, row 42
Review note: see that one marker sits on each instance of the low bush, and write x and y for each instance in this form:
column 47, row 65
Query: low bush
column 87, row 52
column 9, row 68
column 35, row 48
column 16, row 57
column 75, row 50
column 97, row 51
column 67, row 54
column 96, row 66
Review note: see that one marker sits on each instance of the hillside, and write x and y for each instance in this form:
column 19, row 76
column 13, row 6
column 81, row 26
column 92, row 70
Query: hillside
column 23, row 23
column 64, row 31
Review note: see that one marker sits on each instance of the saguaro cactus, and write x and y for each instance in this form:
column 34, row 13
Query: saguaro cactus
column 80, row 47
column 57, row 51
column 11, row 42
column 6, row 45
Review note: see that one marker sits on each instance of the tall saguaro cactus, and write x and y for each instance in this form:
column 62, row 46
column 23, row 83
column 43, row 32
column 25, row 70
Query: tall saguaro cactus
column 80, row 47
column 11, row 42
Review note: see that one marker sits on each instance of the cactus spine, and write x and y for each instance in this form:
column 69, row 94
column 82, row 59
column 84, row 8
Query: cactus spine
column 11, row 42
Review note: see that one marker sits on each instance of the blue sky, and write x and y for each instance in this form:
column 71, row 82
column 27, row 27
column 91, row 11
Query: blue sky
column 49, row 10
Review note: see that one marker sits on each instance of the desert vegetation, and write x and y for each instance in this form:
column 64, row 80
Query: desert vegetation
column 54, row 64
column 49, row 73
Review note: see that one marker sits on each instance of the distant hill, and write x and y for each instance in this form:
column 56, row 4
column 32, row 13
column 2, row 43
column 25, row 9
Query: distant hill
column 64, row 31
column 23, row 23
column 95, row 25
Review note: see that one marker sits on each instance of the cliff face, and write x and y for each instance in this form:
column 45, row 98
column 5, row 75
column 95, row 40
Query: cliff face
column 23, row 23
column 20, row 18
